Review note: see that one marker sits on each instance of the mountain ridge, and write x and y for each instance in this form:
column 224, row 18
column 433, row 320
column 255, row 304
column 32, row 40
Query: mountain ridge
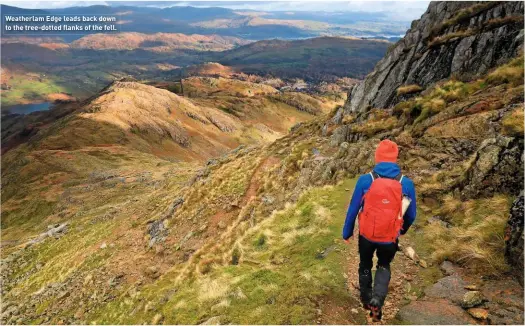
column 237, row 23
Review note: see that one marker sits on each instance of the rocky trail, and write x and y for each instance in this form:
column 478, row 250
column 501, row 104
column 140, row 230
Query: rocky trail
column 404, row 273
column 461, row 297
column 456, row 297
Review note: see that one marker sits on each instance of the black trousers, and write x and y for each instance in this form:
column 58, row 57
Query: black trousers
column 385, row 255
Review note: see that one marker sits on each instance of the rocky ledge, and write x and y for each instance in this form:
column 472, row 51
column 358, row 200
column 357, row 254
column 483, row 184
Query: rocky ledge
column 458, row 298
column 463, row 39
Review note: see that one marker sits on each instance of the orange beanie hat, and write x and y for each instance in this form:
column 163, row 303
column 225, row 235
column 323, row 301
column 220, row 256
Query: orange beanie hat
column 386, row 151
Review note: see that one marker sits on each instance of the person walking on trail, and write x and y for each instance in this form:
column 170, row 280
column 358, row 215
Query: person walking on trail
column 384, row 200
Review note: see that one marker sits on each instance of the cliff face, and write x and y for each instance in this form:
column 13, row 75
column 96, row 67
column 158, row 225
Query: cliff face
column 462, row 39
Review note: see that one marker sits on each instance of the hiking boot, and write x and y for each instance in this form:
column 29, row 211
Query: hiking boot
column 375, row 310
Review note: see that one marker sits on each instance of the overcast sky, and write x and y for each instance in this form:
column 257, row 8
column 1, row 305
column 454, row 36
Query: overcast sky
column 405, row 10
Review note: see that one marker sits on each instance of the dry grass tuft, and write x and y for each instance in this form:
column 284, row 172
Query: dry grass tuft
column 212, row 289
column 378, row 121
column 322, row 215
column 511, row 73
column 497, row 22
column 409, row 89
column 512, row 123
column 447, row 37
column 476, row 237
column 434, row 105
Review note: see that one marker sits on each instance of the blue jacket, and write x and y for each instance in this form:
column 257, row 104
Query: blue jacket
column 385, row 169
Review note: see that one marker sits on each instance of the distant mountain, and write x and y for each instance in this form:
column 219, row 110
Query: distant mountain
column 10, row 10
column 85, row 65
column 311, row 59
column 193, row 14
column 247, row 24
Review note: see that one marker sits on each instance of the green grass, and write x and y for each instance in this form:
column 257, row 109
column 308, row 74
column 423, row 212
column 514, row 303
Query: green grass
column 29, row 211
column 281, row 252
column 29, row 90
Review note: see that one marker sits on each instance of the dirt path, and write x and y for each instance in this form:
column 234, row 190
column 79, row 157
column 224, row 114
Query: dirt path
column 265, row 165
column 230, row 218
column 404, row 272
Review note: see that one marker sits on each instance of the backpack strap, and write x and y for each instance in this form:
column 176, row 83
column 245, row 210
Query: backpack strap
column 398, row 177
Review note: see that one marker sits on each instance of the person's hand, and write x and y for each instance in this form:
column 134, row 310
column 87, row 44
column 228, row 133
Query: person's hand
column 347, row 241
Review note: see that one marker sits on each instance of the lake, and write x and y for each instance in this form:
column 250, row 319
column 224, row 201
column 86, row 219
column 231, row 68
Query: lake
column 26, row 108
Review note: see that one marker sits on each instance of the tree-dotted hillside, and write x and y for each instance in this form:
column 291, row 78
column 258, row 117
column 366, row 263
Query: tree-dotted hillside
column 158, row 42
column 83, row 67
column 323, row 58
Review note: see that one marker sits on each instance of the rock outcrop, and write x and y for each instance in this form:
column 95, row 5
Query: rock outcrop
column 451, row 302
column 463, row 39
column 514, row 238
column 498, row 167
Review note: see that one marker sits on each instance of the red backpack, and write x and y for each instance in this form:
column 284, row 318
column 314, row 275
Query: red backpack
column 380, row 219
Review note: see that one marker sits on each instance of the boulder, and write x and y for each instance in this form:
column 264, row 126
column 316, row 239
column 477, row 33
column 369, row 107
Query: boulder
column 505, row 316
column 472, row 299
column 479, row 313
column 505, row 292
column 450, row 287
column 498, row 167
column 435, row 312
column 447, row 268
column 56, row 231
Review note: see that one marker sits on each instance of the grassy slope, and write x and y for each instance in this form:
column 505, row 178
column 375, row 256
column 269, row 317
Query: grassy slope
column 266, row 113
column 281, row 251
column 112, row 140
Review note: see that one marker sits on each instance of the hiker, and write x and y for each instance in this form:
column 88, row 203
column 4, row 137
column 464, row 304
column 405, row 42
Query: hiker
column 385, row 201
